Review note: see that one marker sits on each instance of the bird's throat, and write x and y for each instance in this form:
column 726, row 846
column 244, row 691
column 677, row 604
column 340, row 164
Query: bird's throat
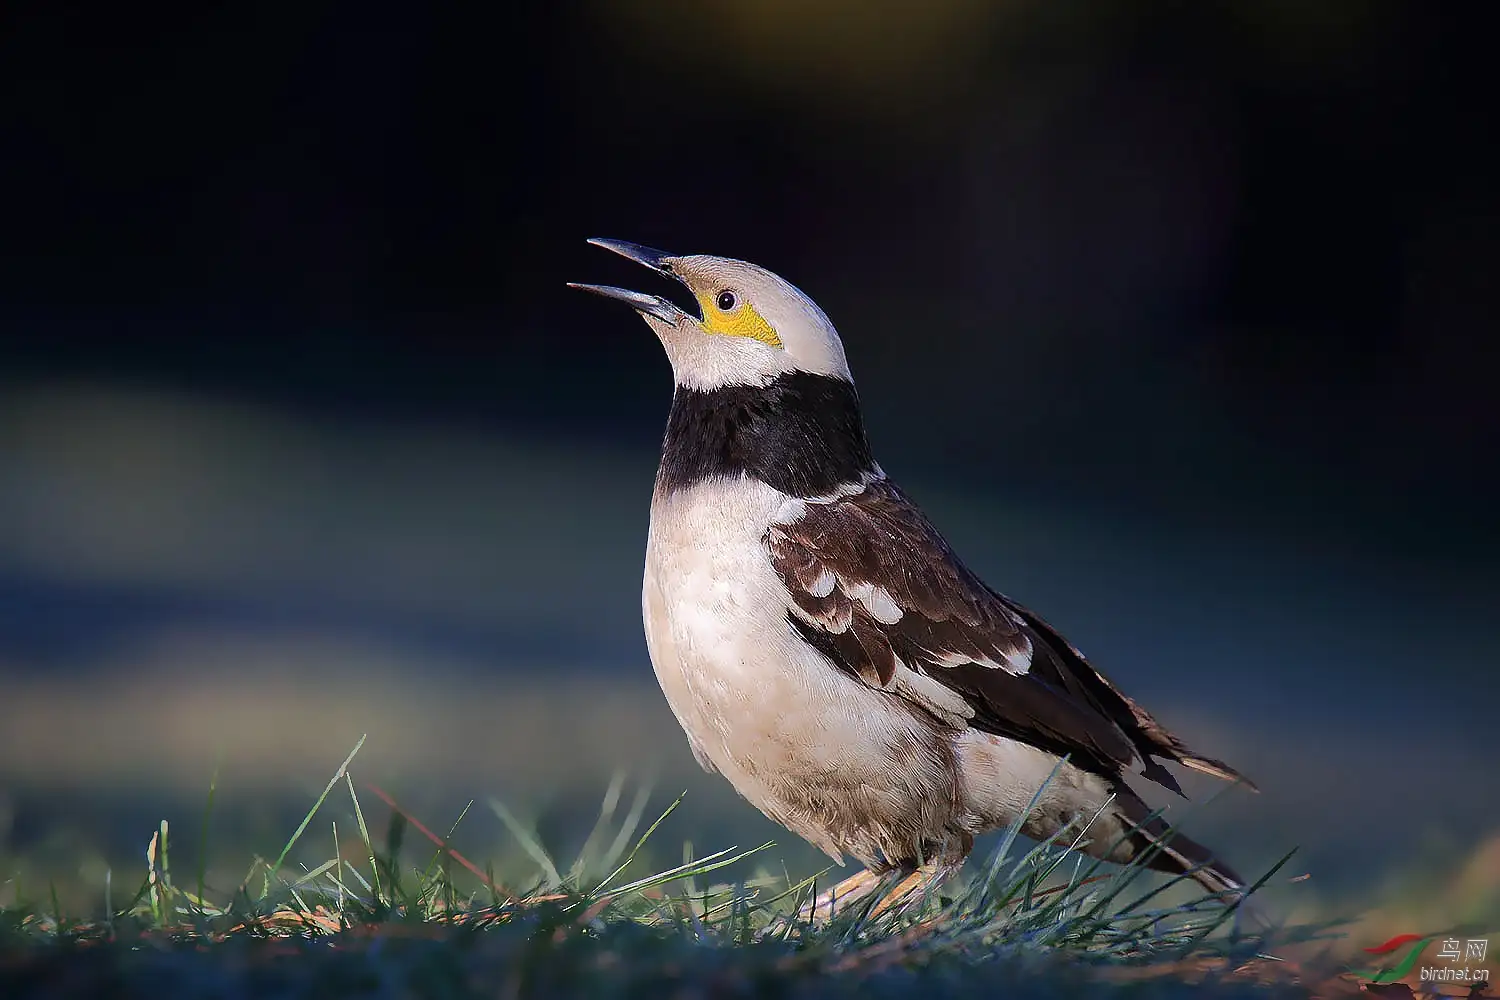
column 801, row 434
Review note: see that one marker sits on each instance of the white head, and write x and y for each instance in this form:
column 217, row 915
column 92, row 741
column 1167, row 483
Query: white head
column 753, row 325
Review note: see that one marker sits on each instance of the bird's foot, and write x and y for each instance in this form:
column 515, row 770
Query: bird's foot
column 905, row 885
column 851, row 890
column 913, row 888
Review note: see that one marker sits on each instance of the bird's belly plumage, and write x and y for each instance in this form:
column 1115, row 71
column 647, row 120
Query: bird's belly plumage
column 852, row 769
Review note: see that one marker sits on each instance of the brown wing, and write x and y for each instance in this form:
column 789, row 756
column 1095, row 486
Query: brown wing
column 877, row 589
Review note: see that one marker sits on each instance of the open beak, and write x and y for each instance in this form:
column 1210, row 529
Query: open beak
column 641, row 255
column 648, row 305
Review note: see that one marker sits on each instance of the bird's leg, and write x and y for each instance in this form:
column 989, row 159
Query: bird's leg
column 909, row 877
column 919, row 882
column 850, row 890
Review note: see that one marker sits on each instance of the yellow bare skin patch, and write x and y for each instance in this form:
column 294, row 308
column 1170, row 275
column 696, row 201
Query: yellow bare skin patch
column 740, row 321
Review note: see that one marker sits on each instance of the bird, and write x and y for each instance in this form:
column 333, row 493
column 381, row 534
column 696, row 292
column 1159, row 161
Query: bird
column 825, row 649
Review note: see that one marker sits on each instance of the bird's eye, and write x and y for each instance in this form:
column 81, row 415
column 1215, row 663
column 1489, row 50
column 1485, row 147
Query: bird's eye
column 727, row 301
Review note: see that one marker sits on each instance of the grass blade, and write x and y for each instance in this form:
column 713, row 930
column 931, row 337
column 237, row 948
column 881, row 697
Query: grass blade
column 301, row 827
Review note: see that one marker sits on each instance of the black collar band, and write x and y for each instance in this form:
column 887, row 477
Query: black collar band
column 801, row 434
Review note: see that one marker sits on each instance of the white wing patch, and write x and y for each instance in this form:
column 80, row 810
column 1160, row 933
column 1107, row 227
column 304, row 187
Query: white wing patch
column 1020, row 659
column 823, row 585
column 1015, row 662
column 877, row 601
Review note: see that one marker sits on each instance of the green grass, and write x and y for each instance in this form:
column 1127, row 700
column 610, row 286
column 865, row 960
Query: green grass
column 406, row 914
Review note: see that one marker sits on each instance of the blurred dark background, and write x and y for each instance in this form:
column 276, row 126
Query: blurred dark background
column 1179, row 320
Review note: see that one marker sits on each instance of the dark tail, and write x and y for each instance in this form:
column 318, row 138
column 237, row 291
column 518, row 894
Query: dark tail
column 1175, row 854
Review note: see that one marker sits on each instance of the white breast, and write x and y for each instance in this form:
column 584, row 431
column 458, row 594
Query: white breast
column 790, row 731
column 715, row 613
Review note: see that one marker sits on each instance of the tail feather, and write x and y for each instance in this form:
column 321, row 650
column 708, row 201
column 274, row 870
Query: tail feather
column 1175, row 853
column 1162, row 743
column 1216, row 768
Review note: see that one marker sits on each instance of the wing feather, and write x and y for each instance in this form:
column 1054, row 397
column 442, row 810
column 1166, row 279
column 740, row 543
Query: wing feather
column 877, row 589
